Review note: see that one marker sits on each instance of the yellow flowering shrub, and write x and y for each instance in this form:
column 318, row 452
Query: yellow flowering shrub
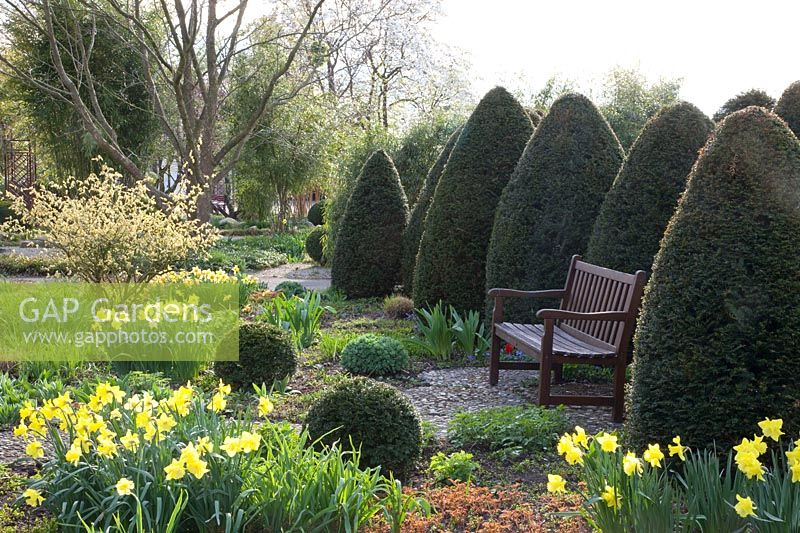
column 673, row 488
column 109, row 231
column 146, row 459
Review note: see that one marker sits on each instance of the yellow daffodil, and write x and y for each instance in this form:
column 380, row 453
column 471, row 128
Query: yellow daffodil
column 564, row 444
column 175, row 470
column 653, row 455
column 676, row 448
column 749, row 464
column 222, row 388
column 580, row 438
column 106, row 447
column 73, row 455
column 33, row 497
column 771, row 428
column 130, row 441
column 249, row 441
column 793, row 456
column 745, row 507
column 231, row 446
column 26, row 410
column 574, row 455
column 556, row 483
column 611, row 497
column 115, row 415
column 125, row 486
column 21, row 430
column 795, row 469
column 631, row 464
column 165, row 422
column 35, row 449
column 607, row 442
column 217, row 402
column 204, row 445
column 265, row 406
column 191, row 458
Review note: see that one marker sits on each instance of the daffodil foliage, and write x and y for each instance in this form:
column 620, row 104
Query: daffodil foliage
column 670, row 487
column 178, row 461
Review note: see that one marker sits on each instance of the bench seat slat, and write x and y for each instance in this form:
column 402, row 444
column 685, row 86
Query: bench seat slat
column 530, row 336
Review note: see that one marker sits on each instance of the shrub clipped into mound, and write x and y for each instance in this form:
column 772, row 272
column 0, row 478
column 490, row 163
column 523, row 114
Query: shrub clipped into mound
column 291, row 288
column 370, row 239
column 416, row 222
column 755, row 97
column 547, row 210
column 788, row 108
column 638, row 207
column 716, row 348
column 314, row 245
column 377, row 417
column 316, row 214
column 451, row 264
column 398, row 307
column 266, row 354
column 374, row 355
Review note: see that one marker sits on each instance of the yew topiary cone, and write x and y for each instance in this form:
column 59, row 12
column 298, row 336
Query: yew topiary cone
column 788, row 107
column 451, row 264
column 717, row 347
column 547, row 210
column 369, row 243
column 416, row 222
column 638, row 207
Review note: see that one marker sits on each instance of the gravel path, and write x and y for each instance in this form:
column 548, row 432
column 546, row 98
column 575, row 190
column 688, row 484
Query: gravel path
column 445, row 392
column 309, row 275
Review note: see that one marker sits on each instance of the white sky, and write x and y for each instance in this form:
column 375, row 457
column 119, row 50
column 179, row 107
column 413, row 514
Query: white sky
column 718, row 48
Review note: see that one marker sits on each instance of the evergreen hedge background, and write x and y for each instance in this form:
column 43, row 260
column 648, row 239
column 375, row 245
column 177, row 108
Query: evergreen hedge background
column 366, row 261
column 788, row 107
column 717, row 347
column 547, row 210
column 451, row 264
column 644, row 195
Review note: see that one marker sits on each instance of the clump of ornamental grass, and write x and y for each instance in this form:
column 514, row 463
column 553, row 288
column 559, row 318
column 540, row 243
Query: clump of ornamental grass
column 675, row 488
column 177, row 462
column 111, row 232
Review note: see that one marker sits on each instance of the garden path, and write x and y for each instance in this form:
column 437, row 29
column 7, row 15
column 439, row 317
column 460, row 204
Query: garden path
column 309, row 275
column 447, row 391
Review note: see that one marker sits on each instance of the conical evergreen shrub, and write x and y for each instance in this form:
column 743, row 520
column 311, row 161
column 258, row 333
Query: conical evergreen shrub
column 740, row 101
column 369, row 243
column 547, row 210
column 788, row 107
column 642, row 199
column 451, row 264
column 416, row 222
column 717, row 347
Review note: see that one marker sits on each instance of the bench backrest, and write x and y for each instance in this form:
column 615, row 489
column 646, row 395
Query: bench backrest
column 591, row 288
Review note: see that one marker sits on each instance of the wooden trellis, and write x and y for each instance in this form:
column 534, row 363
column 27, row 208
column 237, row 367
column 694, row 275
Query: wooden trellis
column 19, row 167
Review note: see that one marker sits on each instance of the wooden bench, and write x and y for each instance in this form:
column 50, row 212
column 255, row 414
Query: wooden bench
column 593, row 325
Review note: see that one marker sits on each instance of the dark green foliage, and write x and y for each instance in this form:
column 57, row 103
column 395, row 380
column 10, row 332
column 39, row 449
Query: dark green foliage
column 291, row 288
column 374, row 355
column 740, row 101
column 416, row 222
column 266, row 354
column 547, row 210
column 314, row 244
column 5, row 211
column 451, row 264
column 716, row 348
column 376, row 416
column 788, row 107
column 638, row 207
column 316, row 214
column 369, row 243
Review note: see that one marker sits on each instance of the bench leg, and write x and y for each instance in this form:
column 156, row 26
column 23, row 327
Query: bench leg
column 494, row 361
column 619, row 392
column 544, row 380
column 558, row 374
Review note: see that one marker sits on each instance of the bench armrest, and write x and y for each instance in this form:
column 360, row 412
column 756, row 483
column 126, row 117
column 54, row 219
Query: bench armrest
column 603, row 316
column 513, row 293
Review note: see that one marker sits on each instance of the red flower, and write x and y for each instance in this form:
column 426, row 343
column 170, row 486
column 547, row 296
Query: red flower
column 508, row 348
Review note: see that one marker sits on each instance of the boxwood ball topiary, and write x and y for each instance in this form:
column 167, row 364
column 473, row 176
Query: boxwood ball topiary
column 370, row 240
column 755, row 97
column 316, row 214
column 788, row 107
column 642, row 199
column 314, row 244
column 547, row 210
column 374, row 355
column 376, row 416
column 717, row 347
column 451, row 264
column 266, row 353
column 416, row 222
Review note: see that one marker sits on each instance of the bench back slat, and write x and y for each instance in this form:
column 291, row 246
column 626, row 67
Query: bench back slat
column 591, row 289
